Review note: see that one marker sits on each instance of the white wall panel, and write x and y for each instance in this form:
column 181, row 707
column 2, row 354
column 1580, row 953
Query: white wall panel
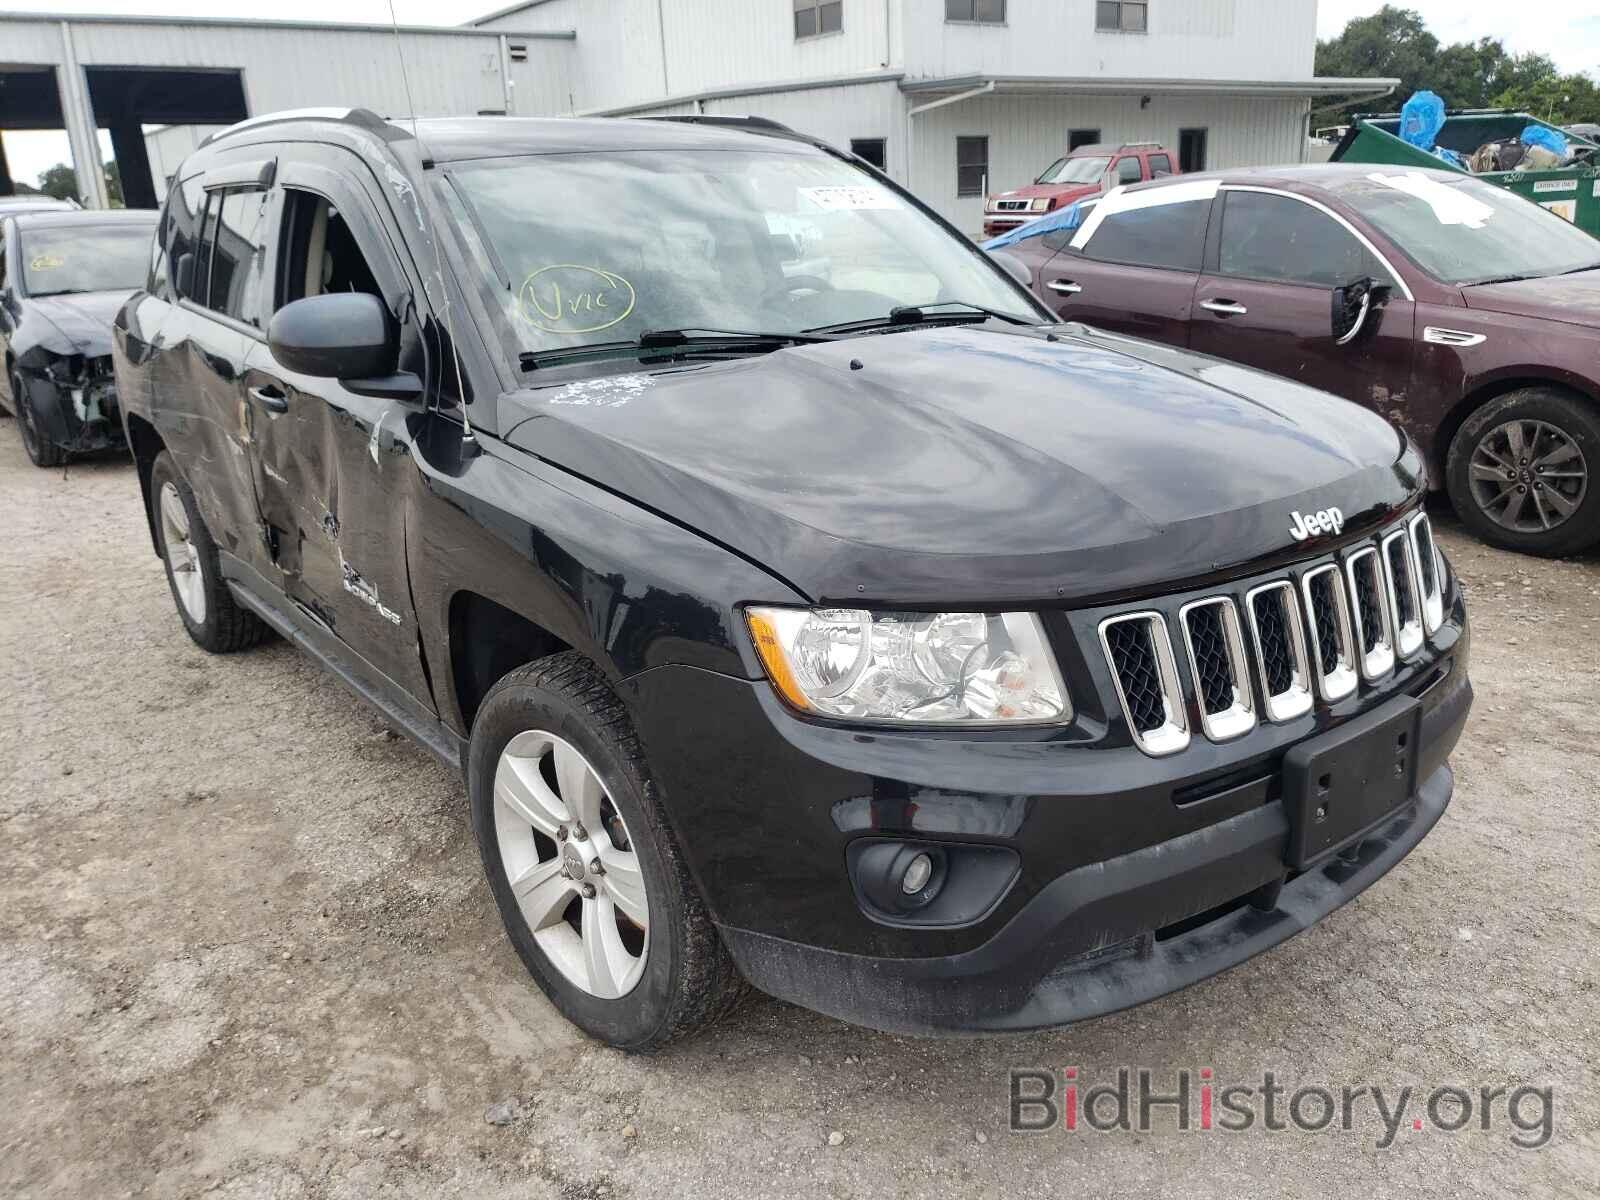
column 1187, row 39
column 1027, row 133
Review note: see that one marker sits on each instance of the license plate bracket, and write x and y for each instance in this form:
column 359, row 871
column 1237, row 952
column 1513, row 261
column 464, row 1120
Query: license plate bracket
column 1340, row 785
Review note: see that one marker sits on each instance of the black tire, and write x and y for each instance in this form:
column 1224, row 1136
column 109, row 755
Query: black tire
column 1575, row 419
column 688, row 981
column 35, row 441
column 225, row 626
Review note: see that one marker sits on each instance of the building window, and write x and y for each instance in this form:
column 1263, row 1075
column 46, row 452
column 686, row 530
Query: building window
column 972, row 165
column 871, row 149
column 1081, row 137
column 982, row 12
column 1191, row 150
column 1122, row 16
column 812, row 17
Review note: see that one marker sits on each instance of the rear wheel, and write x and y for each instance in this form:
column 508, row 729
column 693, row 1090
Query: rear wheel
column 1521, row 472
column 35, row 441
column 207, row 608
column 591, row 887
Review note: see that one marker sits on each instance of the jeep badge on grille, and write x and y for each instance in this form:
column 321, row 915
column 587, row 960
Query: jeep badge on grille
column 1328, row 520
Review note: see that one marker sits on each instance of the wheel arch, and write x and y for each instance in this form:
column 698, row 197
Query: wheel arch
column 487, row 642
column 146, row 444
column 1485, row 392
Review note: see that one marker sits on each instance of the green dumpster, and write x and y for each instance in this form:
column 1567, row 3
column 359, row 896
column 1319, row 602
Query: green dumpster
column 1572, row 191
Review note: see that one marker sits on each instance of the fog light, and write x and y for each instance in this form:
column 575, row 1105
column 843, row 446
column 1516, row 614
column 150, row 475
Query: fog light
column 918, row 872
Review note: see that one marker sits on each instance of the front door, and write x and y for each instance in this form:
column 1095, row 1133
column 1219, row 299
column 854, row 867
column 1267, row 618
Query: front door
column 1266, row 300
column 329, row 463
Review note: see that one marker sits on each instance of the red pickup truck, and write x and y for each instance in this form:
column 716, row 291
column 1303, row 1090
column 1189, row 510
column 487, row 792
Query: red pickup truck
column 1082, row 172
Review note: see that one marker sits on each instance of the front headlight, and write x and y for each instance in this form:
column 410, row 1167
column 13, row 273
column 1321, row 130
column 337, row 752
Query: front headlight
column 1042, row 204
column 911, row 668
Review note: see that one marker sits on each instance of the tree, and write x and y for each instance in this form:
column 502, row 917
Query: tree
column 60, row 181
column 113, row 183
column 1559, row 99
column 1392, row 42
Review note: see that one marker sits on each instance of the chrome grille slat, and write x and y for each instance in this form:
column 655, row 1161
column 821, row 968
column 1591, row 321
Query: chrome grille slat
column 1327, row 612
column 1217, row 660
column 1138, row 650
column 1280, row 644
column 1370, row 610
column 1406, row 604
column 1429, row 584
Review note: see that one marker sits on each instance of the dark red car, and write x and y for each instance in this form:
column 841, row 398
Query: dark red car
column 1085, row 171
column 1468, row 316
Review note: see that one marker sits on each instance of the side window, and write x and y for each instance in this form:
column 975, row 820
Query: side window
column 1276, row 238
column 318, row 253
column 1160, row 164
column 237, row 255
column 186, row 209
column 1171, row 236
column 1128, row 169
column 972, row 165
column 156, row 282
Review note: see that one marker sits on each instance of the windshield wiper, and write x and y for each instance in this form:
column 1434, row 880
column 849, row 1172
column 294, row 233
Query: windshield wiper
column 675, row 342
column 921, row 314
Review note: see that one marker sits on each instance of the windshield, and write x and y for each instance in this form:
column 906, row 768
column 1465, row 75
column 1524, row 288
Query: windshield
column 1075, row 170
column 598, row 248
column 1465, row 231
column 85, row 258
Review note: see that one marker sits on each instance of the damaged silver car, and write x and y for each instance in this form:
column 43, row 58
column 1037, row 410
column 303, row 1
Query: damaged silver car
column 63, row 276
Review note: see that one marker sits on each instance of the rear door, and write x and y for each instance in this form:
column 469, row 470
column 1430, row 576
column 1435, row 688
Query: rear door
column 194, row 359
column 1132, row 269
column 1266, row 298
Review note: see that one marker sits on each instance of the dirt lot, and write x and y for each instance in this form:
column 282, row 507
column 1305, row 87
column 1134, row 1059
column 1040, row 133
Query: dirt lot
column 245, row 950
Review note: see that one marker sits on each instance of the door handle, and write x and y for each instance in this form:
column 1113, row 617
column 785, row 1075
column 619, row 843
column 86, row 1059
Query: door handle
column 1226, row 308
column 1064, row 287
column 270, row 398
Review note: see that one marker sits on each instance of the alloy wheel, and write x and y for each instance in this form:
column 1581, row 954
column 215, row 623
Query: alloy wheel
column 570, row 863
column 183, row 557
column 1528, row 476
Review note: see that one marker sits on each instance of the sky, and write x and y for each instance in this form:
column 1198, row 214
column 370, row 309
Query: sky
column 1567, row 30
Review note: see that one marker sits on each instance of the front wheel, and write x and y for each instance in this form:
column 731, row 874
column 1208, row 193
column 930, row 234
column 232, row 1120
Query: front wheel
column 591, row 887
column 1519, row 472
column 36, row 441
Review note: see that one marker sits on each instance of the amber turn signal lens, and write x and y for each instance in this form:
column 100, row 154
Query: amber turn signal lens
column 772, row 658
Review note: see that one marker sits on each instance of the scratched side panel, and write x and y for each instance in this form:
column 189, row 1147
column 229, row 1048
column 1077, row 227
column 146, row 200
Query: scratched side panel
column 627, row 588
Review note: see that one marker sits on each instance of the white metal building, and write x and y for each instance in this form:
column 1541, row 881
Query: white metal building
column 961, row 97
column 954, row 97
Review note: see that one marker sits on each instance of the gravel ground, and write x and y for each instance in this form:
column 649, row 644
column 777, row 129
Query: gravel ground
column 246, row 950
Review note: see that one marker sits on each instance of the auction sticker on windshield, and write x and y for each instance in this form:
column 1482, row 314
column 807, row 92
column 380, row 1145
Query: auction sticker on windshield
column 840, row 198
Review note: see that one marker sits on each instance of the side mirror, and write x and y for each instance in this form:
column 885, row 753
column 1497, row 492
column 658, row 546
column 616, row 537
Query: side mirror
column 1012, row 266
column 1351, row 303
column 183, row 276
column 342, row 335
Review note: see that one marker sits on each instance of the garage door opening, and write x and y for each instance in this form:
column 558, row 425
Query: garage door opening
column 128, row 101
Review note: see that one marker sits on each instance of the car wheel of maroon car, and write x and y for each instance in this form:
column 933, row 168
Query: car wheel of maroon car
column 1519, row 472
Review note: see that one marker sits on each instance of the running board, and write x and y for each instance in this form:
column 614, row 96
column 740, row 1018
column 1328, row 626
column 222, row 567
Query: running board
column 424, row 729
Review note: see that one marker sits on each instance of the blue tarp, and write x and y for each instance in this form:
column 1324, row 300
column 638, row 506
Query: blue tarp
column 1538, row 135
column 1421, row 118
column 1064, row 218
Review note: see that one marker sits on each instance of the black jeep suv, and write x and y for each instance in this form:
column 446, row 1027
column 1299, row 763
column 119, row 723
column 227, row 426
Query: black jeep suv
column 802, row 605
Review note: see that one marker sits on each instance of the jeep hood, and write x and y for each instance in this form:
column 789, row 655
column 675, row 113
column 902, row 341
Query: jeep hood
column 974, row 464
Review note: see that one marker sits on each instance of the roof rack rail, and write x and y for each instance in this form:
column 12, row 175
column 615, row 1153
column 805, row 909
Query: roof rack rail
column 754, row 124
column 363, row 117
